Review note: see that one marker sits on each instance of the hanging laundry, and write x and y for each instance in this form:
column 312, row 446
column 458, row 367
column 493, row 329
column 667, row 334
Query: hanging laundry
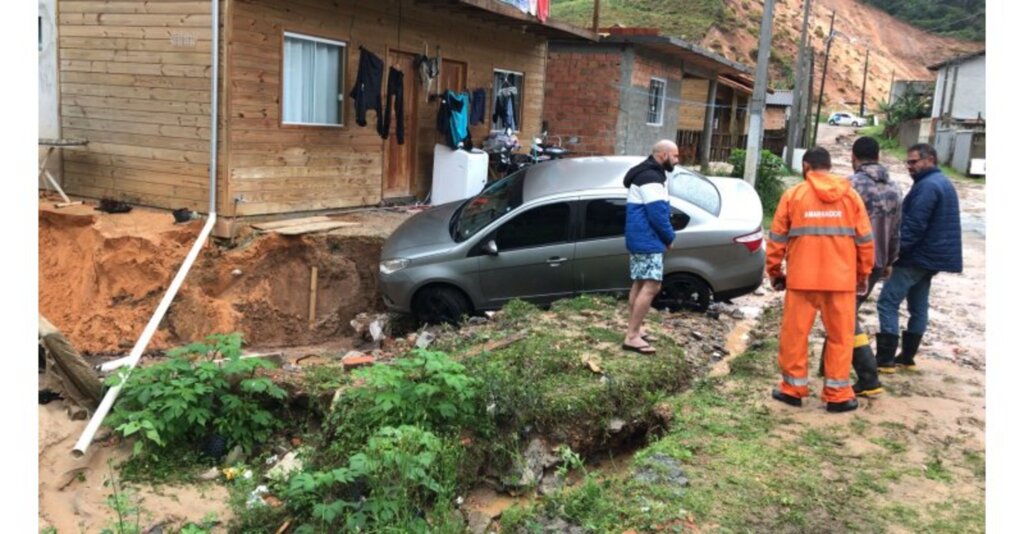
column 543, row 8
column 396, row 79
column 366, row 90
column 504, row 115
column 453, row 119
column 478, row 109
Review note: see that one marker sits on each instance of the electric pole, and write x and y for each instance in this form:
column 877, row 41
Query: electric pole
column 764, row 50
column 597, row 14
column 864, row 84
column 807, row 99
column 824, row 75
column 797, row 110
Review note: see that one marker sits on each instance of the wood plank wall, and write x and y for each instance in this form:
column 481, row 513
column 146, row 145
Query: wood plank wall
column 135, row 82
column 279, row 169
column 694, row 97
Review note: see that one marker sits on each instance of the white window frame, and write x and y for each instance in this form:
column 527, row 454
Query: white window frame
column 342, row 57
column 519, row 119
column 661, row 100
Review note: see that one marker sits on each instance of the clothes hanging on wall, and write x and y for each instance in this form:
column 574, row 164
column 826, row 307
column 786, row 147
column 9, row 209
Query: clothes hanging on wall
column 478, row 109
column 453, row 119
column 366, row 90
column 504, row 115
column 396, row 80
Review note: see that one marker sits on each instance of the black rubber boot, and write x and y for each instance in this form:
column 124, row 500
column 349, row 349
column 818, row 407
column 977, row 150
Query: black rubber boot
column 867, row 371
column 911, row 342
column 885, row 352
column 839, row 407
column 788, row 399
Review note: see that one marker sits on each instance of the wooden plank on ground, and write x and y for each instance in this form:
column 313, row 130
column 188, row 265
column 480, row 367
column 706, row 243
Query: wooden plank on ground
column 274, row 225
column 314, row 227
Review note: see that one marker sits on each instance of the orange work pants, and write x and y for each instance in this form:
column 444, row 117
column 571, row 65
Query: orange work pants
column 838, row 313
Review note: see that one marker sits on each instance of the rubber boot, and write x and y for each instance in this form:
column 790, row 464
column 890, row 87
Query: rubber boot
column 865, row 365
column 839, row 407
column 911, row 342
column 885, row 352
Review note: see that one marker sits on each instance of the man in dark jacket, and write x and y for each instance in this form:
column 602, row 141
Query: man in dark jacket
column 649, row 234
column 929, row 243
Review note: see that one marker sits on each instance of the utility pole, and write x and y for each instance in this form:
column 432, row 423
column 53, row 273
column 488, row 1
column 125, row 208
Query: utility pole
column 807, row 99
column 864, row 84
column 797, row 111
column 824, row 75
column 757, row 102
column 597, row 14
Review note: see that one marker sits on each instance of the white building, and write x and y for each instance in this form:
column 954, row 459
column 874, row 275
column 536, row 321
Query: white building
column 960, row 88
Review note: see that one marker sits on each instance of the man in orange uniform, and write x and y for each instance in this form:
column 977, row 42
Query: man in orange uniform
column 822, row 231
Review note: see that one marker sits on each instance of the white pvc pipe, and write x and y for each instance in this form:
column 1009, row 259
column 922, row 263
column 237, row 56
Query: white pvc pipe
column 147, row 333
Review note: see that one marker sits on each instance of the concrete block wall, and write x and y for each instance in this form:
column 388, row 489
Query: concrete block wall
column 635, row 136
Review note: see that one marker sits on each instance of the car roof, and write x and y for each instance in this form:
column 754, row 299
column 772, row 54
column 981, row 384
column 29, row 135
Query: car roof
column 576, row 174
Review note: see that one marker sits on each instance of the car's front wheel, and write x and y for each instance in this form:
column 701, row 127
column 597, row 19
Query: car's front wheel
column 855, row 124
column 441, row 304
column 684, row 292
column 831, row 123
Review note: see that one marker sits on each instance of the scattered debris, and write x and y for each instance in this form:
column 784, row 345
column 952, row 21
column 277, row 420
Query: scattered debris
column 662, row 469
column 286, row 466
column 592, row 361
column 615, row 425
column 356, row 359
column 256, row 497
column 477, row 522
column 425, row 339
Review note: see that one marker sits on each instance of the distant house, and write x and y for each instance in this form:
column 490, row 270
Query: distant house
column 633, row 87
column 960, row 89
column 778, row 106
column 134, row 80
column 915, row 87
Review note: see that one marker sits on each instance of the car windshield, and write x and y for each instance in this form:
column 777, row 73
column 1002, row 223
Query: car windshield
column 496, row 200
column 695, row 189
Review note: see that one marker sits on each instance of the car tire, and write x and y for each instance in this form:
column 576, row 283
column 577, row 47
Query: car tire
column 831, row 123
column 684, row 292
column 441, row 304
column 855, row 124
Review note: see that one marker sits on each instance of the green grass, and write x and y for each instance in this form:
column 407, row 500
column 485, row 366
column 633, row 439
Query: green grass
column 690, row 19
column 754, row 469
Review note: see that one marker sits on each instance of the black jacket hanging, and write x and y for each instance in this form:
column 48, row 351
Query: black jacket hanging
column 366, row 90
column 395, row 81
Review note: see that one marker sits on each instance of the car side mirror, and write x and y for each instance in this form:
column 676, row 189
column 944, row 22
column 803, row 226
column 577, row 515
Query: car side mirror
column 491, row 248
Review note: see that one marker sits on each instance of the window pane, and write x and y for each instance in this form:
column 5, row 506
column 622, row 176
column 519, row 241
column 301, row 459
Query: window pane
column 605, row 218
column 545, row 225
column 655, row 101
column 311, row 81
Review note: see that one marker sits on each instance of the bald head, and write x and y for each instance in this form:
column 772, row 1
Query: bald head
column 666, row 153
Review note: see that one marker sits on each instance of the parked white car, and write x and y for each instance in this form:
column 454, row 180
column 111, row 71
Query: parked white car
column 845, row 119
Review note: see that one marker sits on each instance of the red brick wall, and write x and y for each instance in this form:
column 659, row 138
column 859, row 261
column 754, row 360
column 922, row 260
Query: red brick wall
column 581, row 98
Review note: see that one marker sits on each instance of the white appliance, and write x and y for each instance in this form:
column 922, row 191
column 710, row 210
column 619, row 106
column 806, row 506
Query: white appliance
column 458, row 174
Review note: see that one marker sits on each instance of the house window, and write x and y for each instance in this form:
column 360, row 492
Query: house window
column 507, row 109
column 655, row 102
column 313, row 79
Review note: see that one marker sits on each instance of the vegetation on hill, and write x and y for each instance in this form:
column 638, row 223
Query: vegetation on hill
column 690, row 19
column 960, row 19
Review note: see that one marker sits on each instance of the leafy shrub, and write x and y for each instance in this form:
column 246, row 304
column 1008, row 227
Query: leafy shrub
column 908, row 106
column 769, row 183
column 172, row 405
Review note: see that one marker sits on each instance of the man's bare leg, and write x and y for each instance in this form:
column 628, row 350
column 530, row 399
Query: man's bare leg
column 641, row 305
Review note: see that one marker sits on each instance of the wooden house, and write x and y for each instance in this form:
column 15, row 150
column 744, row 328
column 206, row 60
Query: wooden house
column 134, row 80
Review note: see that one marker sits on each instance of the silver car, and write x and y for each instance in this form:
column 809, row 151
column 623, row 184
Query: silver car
column 555, row 230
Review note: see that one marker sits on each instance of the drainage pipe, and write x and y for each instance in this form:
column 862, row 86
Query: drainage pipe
column 147, row 333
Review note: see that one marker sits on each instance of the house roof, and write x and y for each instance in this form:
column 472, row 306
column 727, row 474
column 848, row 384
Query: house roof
column 958, row 59
column 501, row 14
column 684, row 50
column 779, row 98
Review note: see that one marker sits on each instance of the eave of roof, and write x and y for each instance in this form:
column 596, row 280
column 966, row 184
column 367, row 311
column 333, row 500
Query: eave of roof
column 958, row 59
column 686, row 51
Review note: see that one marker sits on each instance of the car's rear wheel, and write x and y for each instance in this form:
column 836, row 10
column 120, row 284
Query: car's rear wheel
column 684, row 292
column 831, row 123
column 441, row 304
column 855, row 124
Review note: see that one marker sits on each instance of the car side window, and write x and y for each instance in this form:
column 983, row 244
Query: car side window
column 605, row 217
column 544, row 225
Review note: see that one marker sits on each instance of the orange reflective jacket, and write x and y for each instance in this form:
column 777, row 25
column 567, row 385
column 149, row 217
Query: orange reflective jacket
column 822, row 230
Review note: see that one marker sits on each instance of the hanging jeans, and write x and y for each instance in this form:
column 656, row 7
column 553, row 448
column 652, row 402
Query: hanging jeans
column 395, row 82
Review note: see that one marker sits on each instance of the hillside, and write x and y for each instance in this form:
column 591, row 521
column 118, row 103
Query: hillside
column 731, row 28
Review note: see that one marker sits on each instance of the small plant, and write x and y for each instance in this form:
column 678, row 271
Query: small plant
column 172, row 405
column 769, row 183
column 124, row 506
column 570, row 460
column 205, row 526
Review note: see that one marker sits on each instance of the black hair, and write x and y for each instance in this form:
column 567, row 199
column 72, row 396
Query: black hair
column 818, row 158
column 866, row 149
column 925, row 151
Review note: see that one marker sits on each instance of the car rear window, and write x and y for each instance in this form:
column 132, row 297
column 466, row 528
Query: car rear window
column 695, row 189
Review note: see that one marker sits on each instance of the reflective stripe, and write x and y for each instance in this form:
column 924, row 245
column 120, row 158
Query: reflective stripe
column 822, row 230
column 829, row 383
column 860, row 340
column 864, row 239
column 794, row 381
column 778, row 238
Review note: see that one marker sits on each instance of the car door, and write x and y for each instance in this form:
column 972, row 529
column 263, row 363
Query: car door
column 534, row 259
column 602, row 261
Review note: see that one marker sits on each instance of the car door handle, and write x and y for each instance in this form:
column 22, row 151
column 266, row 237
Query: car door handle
column 555, row 261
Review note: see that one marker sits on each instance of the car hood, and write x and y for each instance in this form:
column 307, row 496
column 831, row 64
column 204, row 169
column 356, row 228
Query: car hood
column 422, row 234
column 739, row 201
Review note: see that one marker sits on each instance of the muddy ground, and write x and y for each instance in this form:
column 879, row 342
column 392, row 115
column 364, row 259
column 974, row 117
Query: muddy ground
column 945, row 402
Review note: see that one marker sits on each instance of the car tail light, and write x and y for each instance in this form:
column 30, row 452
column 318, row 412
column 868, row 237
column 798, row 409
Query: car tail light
column 752, row 240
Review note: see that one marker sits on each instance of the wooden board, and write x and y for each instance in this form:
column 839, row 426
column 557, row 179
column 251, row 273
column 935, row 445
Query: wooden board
column 313, row 227
column 274, row 225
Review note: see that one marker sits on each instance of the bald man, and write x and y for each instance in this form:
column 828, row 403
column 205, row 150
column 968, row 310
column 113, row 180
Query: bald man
column 649, row 234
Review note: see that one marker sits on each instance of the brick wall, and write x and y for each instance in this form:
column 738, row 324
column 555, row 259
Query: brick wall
column 581, row 98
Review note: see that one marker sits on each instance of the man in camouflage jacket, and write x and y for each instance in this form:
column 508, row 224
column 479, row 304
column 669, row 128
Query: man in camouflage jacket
column 882, row 198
